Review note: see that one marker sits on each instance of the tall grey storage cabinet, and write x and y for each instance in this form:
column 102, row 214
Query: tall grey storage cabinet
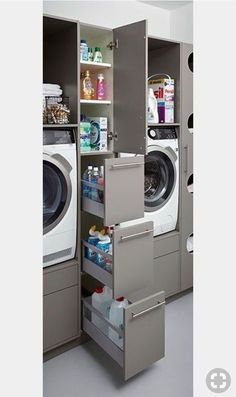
column 186, row 171
column 68, row 309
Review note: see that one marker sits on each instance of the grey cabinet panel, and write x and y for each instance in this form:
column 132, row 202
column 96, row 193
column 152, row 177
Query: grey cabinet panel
column 132, row 258
column 144, row 334
column 60, row 317
column 166, row 244
column 60, row 278
column 130, row 88
column 124, row 182
column 186, row 207
column 167, row 273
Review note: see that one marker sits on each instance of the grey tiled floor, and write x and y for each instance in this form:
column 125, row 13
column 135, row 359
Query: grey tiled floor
column 86, row 370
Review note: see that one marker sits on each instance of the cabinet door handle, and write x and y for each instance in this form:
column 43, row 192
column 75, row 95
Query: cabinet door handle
column 186, row 159
column 125, row 165
column 134, row 315
column 124, row 238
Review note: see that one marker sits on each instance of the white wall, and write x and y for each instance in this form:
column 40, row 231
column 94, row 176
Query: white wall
column 112, row 14
column 181, row 24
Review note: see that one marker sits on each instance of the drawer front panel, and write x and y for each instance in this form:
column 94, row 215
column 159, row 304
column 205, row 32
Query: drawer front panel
column 144, row 334
column 167, row 273
column 164, row 245
column 60, row 317
column 59, row 279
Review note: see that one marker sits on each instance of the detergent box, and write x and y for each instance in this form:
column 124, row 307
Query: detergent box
column 98, row 133
column 164, row 90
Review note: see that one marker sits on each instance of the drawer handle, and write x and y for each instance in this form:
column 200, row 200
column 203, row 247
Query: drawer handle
column 125, row 165
column 123, row 238
column 186, row 159
column 148, row 310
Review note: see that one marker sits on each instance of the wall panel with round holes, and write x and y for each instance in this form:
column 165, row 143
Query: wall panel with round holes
column 190, row 184
column 190, row 123
column 189, row 244
column 190, row 61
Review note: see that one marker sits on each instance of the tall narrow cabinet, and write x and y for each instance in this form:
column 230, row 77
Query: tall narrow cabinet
column 126, row 64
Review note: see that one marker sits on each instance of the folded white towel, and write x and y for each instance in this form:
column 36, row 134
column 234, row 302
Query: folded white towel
column 51, row 86
column 52, row 93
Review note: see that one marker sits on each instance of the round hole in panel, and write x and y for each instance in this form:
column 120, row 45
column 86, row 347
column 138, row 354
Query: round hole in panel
column 190, row 184
column 190, row 123
column 189, row 244
column 190, row 61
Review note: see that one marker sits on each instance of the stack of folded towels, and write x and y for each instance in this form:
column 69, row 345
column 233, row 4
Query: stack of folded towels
column 51, row 90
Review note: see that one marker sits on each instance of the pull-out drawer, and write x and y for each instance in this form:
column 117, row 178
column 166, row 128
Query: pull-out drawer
column 131, row 261
column 140, row 342
column 120, row 199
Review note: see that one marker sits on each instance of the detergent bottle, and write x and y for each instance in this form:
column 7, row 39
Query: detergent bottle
column 116, row 318
column 104, row 245
column 152, row 107
column 93, row 240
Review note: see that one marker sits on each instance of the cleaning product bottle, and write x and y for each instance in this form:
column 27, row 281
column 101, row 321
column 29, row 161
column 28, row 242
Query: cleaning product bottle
column 97, row 303
column 83, row 50
column 103, row 244
column 87, row 176
column 87, row 88
column 93, row 240
column 116, row 318
column 97, row 55
column 101, row 300
column 101, row 182
column 94, row 190
column 152, row 107
column 90, row 54
column 100, row 87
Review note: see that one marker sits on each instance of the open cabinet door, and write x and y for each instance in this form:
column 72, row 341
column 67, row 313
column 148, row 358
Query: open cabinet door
column 130, row 88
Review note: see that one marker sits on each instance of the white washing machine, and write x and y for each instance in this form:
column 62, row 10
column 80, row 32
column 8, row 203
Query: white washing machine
column 161, row 190
column 59, row 195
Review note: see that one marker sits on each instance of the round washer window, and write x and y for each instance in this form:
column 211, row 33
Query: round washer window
column 54, row 193
column 159, row 179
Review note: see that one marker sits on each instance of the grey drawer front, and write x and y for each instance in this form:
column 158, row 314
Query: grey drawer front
column 55, row 280
column 144, row 334
column 164, row 245
column 167, row 273
column 132, row 258
column 60, row 317
column 124, row 181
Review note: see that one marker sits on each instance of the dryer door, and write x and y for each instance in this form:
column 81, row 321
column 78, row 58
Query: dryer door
column 160, row 177
column 56, row 192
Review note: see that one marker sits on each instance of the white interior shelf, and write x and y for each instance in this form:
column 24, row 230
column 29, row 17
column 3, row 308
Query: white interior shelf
column 84, row 65
column 95, row 101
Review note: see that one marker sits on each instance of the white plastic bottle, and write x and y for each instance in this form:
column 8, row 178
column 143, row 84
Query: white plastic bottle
column 94, row 191
column 153, row 116
column 116, row 317
column 101, row 300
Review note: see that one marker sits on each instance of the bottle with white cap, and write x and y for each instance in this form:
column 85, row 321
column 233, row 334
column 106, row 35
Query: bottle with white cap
column 116, row 317
column 94, row 191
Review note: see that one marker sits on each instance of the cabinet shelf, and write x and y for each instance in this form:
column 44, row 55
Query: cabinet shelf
column 96, row 153
column 60, row 125
column 94, row 101
column 163, row 124
column 86, row 65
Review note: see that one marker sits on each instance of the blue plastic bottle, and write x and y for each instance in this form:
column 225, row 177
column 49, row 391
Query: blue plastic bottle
column 94, row 191
column 87, row 176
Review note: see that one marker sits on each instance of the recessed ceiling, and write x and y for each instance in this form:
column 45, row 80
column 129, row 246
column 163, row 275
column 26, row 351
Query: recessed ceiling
column 168, row 5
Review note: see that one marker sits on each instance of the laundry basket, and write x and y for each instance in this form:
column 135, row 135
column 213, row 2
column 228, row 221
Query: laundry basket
column 56, row 110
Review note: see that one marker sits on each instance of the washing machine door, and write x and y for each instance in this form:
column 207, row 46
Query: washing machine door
column 57, row 190
column 160, row 177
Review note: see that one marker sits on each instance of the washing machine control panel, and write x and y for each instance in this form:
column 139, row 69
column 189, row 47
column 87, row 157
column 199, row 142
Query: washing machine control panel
column 157, row 133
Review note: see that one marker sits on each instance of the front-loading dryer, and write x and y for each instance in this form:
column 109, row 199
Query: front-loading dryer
column 161, row 190
column 59, row 195
column 161, row 179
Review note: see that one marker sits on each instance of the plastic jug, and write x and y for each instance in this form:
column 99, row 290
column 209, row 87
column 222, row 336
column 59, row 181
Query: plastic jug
column 152, row 107
column 101, row 300
column 116, row 318
column 104, row 245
